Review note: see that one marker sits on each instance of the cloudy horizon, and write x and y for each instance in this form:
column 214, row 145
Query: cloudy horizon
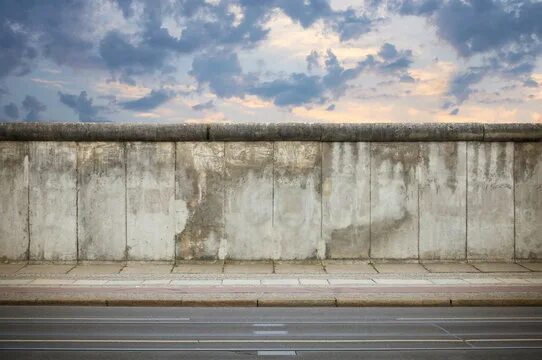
column 271, row 61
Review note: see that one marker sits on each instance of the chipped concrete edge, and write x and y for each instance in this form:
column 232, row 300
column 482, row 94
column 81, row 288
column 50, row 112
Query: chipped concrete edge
column 346, row 132
column 289, row 301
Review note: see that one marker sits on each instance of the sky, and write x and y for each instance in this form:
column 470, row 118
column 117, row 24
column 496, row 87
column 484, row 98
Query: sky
column 200, row 61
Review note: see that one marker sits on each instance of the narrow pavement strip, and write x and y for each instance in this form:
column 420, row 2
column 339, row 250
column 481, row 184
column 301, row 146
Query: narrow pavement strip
column 281, row 284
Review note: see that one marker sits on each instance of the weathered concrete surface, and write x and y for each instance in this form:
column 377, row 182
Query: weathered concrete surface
column 265, row 132
column 443, row 210
column 394, row 200
column 528, row 200
column 346, row 195
column 297, row 200
column 248, row 212
column 101, row 201
column 53, row 201
column 150, row 171
column 200, row 200
column 42, row 131
column 13, row 200
column 402, row 132
column 490, row 201
column 513, row 132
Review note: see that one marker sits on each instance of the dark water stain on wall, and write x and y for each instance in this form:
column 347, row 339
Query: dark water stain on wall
column 200, row 185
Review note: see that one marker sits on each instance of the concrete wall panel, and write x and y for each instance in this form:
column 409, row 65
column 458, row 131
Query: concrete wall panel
column 490, row 201
column 53, row 201
column 443, row 208
column 346, row 199
column 200, row 200
column 150, row 171
column 297, row 200
column 101, row 201
column 248, row 212
column 528, row 195
column 13, row 200
column 394, row 200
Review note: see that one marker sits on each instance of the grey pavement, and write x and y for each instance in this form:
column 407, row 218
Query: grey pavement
column 267, row 284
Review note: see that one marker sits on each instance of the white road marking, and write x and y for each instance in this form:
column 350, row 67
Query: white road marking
column 268, row 325
column 90, row 319
column 471, row 318
column 269, row 332
column 210, row 341
column 276, row 353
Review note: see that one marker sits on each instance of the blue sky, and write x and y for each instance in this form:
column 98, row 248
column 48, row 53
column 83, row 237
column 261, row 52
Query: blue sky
column 271, row 60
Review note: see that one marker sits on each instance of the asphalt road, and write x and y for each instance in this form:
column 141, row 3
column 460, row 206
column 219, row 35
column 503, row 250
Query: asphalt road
column 270, row 333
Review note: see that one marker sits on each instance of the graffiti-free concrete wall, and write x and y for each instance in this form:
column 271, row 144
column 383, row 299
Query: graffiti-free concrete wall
column 427, row 192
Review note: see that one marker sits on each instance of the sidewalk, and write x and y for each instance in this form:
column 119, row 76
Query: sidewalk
column 330, row 283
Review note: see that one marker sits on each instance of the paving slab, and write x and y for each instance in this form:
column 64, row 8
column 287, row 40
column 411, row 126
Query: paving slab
column 450, row 268
column 402, row 282
column 90, row 282
column 195, row 282
column 52, row 282
column 533, row 266
column 45, row 269
column 351, row 282
column 400, row 268
column 482, row 281
column 500, row 267
column 10, row 268
column 315, row 282
column 15, row 281
column 211, row 268
column 147, row 269
column 125, row 282
column 535, row 280
column 513, row 281
column 249, row 268
column 250, row 282
column 294, row 282
column 291, row 268
column 101, row 269
column 448, row 281
column 349, row 269
column 156, row 282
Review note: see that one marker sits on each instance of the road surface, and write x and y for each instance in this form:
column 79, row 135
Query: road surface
column 270, row 333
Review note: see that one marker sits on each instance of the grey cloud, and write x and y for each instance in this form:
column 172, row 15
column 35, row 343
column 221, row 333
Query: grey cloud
column 82, row 105
column 204, row 106
column 221, row 71
column 12, row 111
column 313, row 60
column 33, row 107
column 223, row 74
column 16, row 53
column 530, row 83
column 148, row 102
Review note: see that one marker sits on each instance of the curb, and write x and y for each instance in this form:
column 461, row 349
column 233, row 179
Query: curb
column 278, row 302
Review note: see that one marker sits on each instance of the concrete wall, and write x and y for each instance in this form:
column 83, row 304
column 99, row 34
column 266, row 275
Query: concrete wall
column 456, row 199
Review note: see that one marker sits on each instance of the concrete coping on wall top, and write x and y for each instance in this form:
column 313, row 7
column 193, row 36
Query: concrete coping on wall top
column 373, row 132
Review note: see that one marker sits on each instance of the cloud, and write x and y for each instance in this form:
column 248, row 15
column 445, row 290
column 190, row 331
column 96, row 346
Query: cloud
column 204, row 106
column 150, row 101
column 12, row 111
column 506, row 33
column 313, row 60
column 221, row 71
column 16, row 53
column 82, row 105
column 530, row 83
column 33, row 107
column 223, row 74
column 331, row 107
